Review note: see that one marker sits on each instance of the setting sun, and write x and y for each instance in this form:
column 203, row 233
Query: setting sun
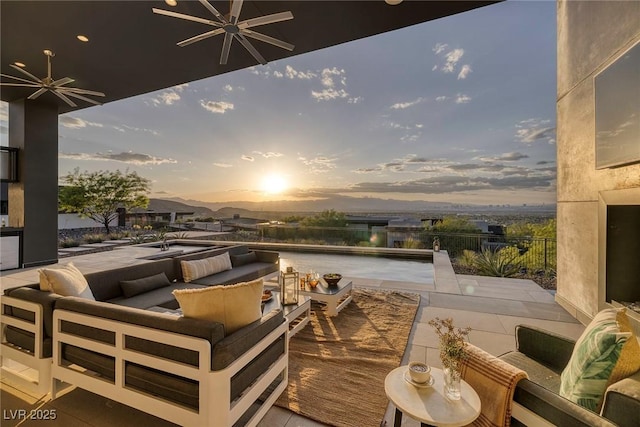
column 274, row 184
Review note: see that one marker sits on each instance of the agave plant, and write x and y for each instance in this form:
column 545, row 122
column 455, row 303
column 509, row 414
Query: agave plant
column 499, row 263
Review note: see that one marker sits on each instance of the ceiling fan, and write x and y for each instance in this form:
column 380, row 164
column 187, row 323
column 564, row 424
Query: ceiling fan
column 57, row 87
column 231, row 28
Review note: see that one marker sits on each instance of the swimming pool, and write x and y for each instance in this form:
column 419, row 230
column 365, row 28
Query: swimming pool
column 369, row 267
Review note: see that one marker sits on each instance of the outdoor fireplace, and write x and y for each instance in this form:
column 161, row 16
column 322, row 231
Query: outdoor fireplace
column 619, row 259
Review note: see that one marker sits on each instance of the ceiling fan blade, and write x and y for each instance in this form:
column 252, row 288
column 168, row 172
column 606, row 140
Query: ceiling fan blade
column 252, row 50
column 84, row 98
column 64, row 98
column 187, row 17
column 202, row 36
column 226, row 46
column 213, row 10
column 37, row 93
column 21, row 84
column 69, row 90
column 19, row 79
column 23, row 71
column 267, row 39
column 61, row 82
column 267, row 19
column 236, row 7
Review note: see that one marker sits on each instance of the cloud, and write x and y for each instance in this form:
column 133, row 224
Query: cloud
column 76, row 122
column 124, row 128
column 268, row 154
column 439, row 48
column 442, row 98
column 218, row 107
column 543, row 162
column 318, row 164
column 464, row 72
column 355, row 100
column 327, row 77
column 407, row 163
column 330, row 78
column 462, row 99
column 505, row 157
column 329, row 94
column 278, row 74
column 531, row 130
column 124, row 157
column 411, row 137
column 228, row 88
column 403, row 105
column 180, row 88
column 452, row 184
column 368, row 170
column 169, row 97
column 291, row 73
column 452, row 59
column 248, row 158
column 222, row 165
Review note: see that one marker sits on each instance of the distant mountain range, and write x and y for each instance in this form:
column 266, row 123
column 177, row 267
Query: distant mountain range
column 339, row 203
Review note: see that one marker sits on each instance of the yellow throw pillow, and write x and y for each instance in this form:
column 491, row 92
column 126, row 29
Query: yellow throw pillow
column 629, row 361
column 192, row 270
column 235, row 306
column 65, row 280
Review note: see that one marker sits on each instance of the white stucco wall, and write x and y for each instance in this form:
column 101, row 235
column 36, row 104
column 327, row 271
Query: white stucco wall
column 591, row 35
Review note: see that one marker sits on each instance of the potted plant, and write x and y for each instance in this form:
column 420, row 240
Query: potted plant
column 452, row 352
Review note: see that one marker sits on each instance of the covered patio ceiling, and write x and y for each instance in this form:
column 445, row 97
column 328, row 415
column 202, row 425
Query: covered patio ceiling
column 132, row 51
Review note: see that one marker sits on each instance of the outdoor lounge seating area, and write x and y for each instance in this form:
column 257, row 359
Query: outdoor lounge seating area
column 131, row 364
column 117, row 338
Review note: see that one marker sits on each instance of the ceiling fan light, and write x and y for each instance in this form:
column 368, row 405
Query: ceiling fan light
column 171, row 2
column 19, row 64
column 82, row 38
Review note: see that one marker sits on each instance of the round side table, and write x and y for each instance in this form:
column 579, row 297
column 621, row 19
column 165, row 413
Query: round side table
column 429, row 404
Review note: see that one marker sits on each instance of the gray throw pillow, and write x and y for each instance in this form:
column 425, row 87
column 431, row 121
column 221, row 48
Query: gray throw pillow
column 132, row 288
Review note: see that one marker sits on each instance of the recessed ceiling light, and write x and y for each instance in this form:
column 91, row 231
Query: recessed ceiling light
column 19, row 64
column 83, row 38
column 393, row 2
column 171, row 2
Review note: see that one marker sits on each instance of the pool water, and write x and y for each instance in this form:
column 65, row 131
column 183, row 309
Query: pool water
column 369, row 267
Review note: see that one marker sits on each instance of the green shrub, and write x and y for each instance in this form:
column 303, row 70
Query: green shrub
column 69, row 242
column 180, row 235
column 94, row 238
column 500, row 263
column 411, row 243
column 468, row 258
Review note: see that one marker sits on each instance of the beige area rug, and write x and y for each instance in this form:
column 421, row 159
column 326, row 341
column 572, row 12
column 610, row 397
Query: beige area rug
column 337, row 365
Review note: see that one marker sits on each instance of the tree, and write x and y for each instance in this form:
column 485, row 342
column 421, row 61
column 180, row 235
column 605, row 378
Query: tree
column 454, row 224
column 327, row 218
column 98, row 195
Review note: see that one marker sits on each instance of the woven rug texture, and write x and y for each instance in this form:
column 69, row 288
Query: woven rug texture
column 337, row 365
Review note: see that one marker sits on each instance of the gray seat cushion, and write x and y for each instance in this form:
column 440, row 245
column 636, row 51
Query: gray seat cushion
column 158, row 297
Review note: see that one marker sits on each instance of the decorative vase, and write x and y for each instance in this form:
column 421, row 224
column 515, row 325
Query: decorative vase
column 452, row 383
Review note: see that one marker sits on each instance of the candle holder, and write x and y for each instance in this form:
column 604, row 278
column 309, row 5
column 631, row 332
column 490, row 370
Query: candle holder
column 289, row 287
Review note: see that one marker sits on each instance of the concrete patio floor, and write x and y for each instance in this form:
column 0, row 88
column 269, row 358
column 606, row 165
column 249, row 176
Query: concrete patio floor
column 491, row 306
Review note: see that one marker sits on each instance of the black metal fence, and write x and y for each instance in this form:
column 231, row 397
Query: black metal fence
column 534, row 254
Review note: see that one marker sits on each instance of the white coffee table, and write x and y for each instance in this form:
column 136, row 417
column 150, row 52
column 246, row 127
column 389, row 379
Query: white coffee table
column 429, row 404
column 335, row 297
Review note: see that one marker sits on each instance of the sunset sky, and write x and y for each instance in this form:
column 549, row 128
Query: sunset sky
column 461, row 109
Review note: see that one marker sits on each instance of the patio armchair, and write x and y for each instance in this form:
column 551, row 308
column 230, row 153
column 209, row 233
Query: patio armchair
column 544, row 355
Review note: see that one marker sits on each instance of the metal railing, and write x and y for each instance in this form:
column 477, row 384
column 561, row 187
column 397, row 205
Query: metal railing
column 533, row 254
